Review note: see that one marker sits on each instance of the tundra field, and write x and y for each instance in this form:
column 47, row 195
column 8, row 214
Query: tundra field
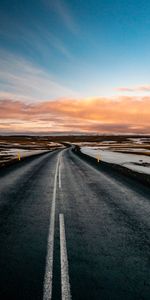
column 130, row 151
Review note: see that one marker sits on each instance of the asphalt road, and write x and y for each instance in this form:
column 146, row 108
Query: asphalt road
column 68, row 230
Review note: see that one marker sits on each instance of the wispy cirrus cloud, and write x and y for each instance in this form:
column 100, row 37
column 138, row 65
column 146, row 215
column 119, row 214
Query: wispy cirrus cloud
column 51, row 40
column 61, row 8
column 121, row 115
column 21, row 79
column 37, row 37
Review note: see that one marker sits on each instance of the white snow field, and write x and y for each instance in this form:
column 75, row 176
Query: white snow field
column 138, row 163
column 14, row 152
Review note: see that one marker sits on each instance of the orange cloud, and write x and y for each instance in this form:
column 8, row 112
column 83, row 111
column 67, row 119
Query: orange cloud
column 124, row 114
column 141, row 88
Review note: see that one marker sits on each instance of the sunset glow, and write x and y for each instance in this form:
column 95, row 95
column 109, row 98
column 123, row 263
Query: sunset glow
column 87, row 115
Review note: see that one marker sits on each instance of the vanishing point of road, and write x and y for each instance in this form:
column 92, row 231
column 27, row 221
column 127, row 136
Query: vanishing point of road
column 70, row 231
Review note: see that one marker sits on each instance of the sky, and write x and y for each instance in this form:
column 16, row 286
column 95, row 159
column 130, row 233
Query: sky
column 75, row 66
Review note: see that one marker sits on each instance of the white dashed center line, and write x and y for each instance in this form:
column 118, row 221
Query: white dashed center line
column 65, row 285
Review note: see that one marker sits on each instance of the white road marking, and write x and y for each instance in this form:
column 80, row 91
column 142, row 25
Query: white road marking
column 65, row 285
column 60, row 171
column 47, row 295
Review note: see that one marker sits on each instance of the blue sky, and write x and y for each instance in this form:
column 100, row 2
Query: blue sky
column 74, row 48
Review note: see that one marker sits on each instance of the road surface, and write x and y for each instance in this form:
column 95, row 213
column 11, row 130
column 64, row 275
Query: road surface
column 69, row 231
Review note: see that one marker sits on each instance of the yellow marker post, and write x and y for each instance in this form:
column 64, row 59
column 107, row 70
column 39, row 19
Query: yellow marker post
column 19, row 155
column 98, row 158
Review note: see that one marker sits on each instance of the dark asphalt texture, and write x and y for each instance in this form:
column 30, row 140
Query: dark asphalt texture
column 107, row 223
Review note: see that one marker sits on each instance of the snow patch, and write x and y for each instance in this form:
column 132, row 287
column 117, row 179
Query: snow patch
column 138, row 163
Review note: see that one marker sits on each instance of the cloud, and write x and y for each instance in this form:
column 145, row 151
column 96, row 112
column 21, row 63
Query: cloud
column 52, row 40
column 44, row 41
column 124, row 115
column 142, row 88
column 23, row 80
column 37, row 38
column 62, row 9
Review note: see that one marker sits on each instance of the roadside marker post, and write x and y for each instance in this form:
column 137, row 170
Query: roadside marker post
column 19, row 156
column 98, row 158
